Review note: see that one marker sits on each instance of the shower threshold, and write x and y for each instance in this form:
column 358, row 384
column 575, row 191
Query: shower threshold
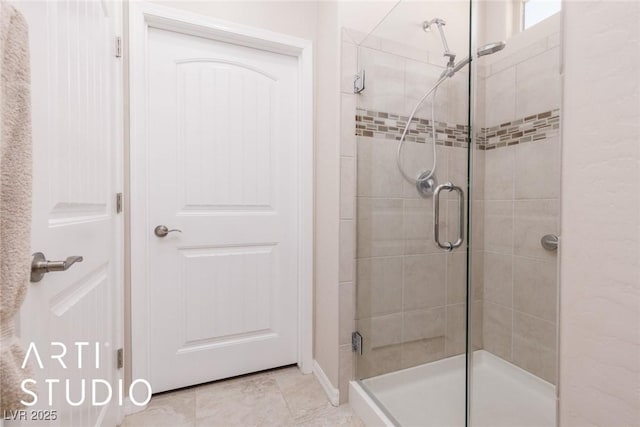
column 432, row 394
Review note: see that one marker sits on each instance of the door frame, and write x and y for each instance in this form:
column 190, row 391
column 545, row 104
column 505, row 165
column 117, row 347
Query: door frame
column 142, row 17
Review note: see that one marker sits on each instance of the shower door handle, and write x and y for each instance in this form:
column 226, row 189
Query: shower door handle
column 448, row 246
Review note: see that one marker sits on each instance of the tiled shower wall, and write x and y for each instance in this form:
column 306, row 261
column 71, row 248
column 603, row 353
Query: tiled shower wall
column 520, row 137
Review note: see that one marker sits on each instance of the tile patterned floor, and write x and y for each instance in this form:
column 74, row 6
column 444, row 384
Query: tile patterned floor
column 280, row 397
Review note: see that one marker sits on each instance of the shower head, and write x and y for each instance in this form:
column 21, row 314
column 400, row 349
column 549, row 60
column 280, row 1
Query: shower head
column 490, row 48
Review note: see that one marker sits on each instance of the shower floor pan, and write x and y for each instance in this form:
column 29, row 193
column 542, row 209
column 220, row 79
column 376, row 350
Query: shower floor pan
column 432, row 395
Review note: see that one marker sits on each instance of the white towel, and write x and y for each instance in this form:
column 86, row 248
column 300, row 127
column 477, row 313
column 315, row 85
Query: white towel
column 15, row 197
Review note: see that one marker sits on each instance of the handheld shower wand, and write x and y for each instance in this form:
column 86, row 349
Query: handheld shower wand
column 487, row 49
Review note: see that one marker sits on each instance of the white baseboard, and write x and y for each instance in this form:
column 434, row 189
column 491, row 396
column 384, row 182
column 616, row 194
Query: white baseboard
column 130, row 408
column 332, row 393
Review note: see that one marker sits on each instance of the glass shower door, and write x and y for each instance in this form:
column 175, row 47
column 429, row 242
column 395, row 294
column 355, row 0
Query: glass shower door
column 411, row 293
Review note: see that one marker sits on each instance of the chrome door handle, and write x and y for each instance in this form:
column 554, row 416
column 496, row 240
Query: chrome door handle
column 448, row 246
column 163, row 230
column 40, row 266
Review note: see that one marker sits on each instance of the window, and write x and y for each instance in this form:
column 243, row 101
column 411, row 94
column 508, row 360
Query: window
column 535, row 11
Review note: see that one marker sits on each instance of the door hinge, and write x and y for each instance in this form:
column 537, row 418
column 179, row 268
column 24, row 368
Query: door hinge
column 358, row 82
column 118, row 47
column 120, row 358
column 356, row 342
column 118, row 202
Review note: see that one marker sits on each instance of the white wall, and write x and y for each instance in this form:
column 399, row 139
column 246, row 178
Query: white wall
column 327, row 190
column 363, row 15
column 600, row 255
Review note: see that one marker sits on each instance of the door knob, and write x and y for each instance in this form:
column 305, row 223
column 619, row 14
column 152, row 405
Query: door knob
column 163, row 230
column 40, row 266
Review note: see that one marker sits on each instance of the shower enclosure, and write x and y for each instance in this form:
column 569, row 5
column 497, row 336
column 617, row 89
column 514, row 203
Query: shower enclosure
column 457, row 168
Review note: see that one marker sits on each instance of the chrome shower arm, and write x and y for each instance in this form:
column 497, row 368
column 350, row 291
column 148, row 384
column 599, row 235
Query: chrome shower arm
column 447, row 52
column 426, row 26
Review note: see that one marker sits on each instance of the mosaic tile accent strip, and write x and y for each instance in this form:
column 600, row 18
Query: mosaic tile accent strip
column 377, row 124
column 531, row 128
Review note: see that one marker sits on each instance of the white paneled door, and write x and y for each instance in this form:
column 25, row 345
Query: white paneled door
column 222, row 171
column 75, row 314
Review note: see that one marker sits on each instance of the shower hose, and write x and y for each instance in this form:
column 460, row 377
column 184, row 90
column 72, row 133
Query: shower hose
column 433, row 134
